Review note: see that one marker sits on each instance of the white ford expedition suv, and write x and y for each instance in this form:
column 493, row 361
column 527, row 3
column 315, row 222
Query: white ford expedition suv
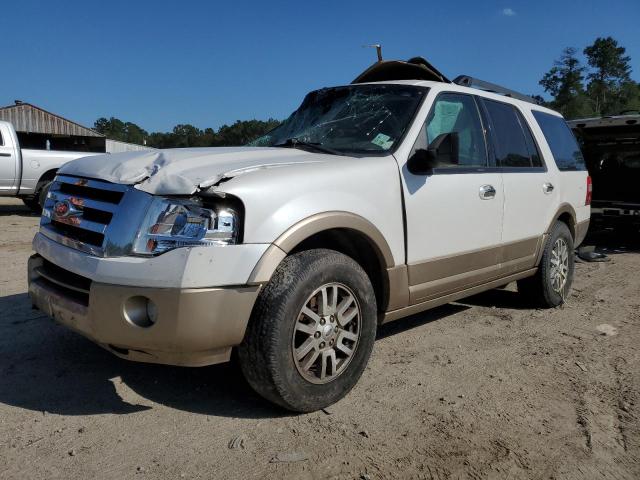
column 372, row 201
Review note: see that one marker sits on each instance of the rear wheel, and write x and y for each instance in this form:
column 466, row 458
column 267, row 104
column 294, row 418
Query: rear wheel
column 311, row 332
column 551, row 284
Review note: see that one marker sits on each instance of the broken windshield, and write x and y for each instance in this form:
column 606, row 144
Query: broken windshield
column 365, row 119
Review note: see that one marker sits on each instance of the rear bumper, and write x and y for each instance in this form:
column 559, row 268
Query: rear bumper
column 581, row 232
column 193, row 327
column 611, row 214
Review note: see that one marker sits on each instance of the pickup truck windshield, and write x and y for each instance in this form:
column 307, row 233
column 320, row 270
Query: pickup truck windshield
column 360, row 119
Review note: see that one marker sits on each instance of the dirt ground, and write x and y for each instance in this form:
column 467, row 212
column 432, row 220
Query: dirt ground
column 483, row 388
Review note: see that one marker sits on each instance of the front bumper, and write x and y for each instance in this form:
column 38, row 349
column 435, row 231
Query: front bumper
column 193, row 326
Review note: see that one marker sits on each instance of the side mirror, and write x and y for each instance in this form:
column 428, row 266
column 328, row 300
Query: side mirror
column 422, row 162
column 442, row 150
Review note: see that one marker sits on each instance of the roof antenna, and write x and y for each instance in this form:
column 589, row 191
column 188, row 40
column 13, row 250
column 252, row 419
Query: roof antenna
column 378, row 48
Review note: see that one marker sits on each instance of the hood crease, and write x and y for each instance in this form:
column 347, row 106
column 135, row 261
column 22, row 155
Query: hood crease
column 188, row 170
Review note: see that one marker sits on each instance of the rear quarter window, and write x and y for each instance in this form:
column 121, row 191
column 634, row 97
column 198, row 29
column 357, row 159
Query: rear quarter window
column 562, row 143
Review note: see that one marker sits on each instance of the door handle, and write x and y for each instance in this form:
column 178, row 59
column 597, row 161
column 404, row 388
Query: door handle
column 487, row 192
column 547, row 187
column 5, row 154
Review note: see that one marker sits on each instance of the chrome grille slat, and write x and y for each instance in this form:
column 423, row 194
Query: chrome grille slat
column 51, row 233
column 88, row 182
column 78, row 222
column 82, row 202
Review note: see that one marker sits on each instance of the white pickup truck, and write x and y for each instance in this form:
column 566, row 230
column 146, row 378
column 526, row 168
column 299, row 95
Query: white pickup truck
column 26, row 173
column 372, row 201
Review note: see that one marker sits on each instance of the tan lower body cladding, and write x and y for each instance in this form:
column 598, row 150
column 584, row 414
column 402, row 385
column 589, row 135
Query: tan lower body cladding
column 438, row 281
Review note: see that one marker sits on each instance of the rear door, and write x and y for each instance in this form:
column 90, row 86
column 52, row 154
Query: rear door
column 562, row 149
column 454, row 213
column 530, row 190
column 8, row 161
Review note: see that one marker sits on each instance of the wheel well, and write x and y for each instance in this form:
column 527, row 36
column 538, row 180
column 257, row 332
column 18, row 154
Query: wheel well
column 361, row 249
column 48, row 175
column 567, row 219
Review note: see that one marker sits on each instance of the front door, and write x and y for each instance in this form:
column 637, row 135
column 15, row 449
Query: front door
column 454, row 213
column 7, row 162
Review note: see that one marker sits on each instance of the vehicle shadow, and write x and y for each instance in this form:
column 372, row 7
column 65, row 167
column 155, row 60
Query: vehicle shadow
column 17, row 209
column 498, row 298
column 613, row 241
column 45, row 367
column 418, row 320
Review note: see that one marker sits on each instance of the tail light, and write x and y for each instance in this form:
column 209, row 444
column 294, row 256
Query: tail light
column 587, row 200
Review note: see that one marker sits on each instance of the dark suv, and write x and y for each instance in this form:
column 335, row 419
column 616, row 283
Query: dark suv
column 611, row 147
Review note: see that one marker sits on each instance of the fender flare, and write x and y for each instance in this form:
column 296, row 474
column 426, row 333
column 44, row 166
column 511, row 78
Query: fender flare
column 562, row 209
column 312, row 225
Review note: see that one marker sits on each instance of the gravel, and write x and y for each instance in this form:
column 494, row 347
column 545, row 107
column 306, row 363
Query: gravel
column 483, row 388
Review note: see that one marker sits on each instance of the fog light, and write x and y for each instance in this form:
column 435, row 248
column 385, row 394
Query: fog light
column 140, row 311
column 152, row 311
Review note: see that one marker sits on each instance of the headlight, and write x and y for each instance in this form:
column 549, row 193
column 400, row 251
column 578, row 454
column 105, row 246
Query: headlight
column 182, row 223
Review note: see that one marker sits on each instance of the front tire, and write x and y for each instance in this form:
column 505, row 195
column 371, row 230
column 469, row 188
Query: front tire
column 36, row 201
column 311, row 331
column 551, row 284
column 32, row 204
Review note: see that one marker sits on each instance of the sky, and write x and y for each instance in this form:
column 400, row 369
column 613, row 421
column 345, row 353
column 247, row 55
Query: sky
column 161, row 63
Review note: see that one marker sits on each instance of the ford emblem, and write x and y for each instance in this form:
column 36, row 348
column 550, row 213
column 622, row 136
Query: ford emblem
column 61, row 209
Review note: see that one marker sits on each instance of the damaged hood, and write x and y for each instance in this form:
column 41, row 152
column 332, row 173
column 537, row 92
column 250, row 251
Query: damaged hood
column 185, row 171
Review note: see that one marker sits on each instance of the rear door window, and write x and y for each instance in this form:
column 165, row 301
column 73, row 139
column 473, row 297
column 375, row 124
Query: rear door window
column 513, row 143
column 534, row 153
column 562, row 143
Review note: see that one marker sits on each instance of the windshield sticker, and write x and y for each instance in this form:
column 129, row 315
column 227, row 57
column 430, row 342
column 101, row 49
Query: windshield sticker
column 383, row 141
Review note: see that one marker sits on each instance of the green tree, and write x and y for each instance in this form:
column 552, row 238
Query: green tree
column 564, row 82
column 115, row 129
column 112, row 128
column 185, row 135
column 134, row 133
column 610, row 86
column 242, row 132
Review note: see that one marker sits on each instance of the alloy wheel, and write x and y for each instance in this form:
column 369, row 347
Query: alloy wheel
column 326, row 333
column 559, row 271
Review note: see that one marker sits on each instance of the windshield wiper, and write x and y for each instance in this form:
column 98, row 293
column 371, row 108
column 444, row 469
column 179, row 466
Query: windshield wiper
column 296, row 143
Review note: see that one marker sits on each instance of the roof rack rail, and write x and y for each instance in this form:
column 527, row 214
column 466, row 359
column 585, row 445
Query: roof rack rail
column 467, row 81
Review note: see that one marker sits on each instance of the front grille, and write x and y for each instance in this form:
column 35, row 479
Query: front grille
column 78, row 233
column 78, row 211
column 69, row 284
column 81, row 188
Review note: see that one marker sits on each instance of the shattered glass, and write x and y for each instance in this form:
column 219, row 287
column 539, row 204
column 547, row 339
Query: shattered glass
column 364, row 119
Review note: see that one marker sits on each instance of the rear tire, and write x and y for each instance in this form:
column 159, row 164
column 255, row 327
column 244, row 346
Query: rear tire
column 551, row 284
column 318, row 306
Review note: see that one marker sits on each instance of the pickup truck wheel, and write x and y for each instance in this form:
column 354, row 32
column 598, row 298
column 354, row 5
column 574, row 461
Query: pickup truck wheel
column 32, row 204
column 36, row 201
column 550, row 286
column 41, row 192
column 311, row 332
